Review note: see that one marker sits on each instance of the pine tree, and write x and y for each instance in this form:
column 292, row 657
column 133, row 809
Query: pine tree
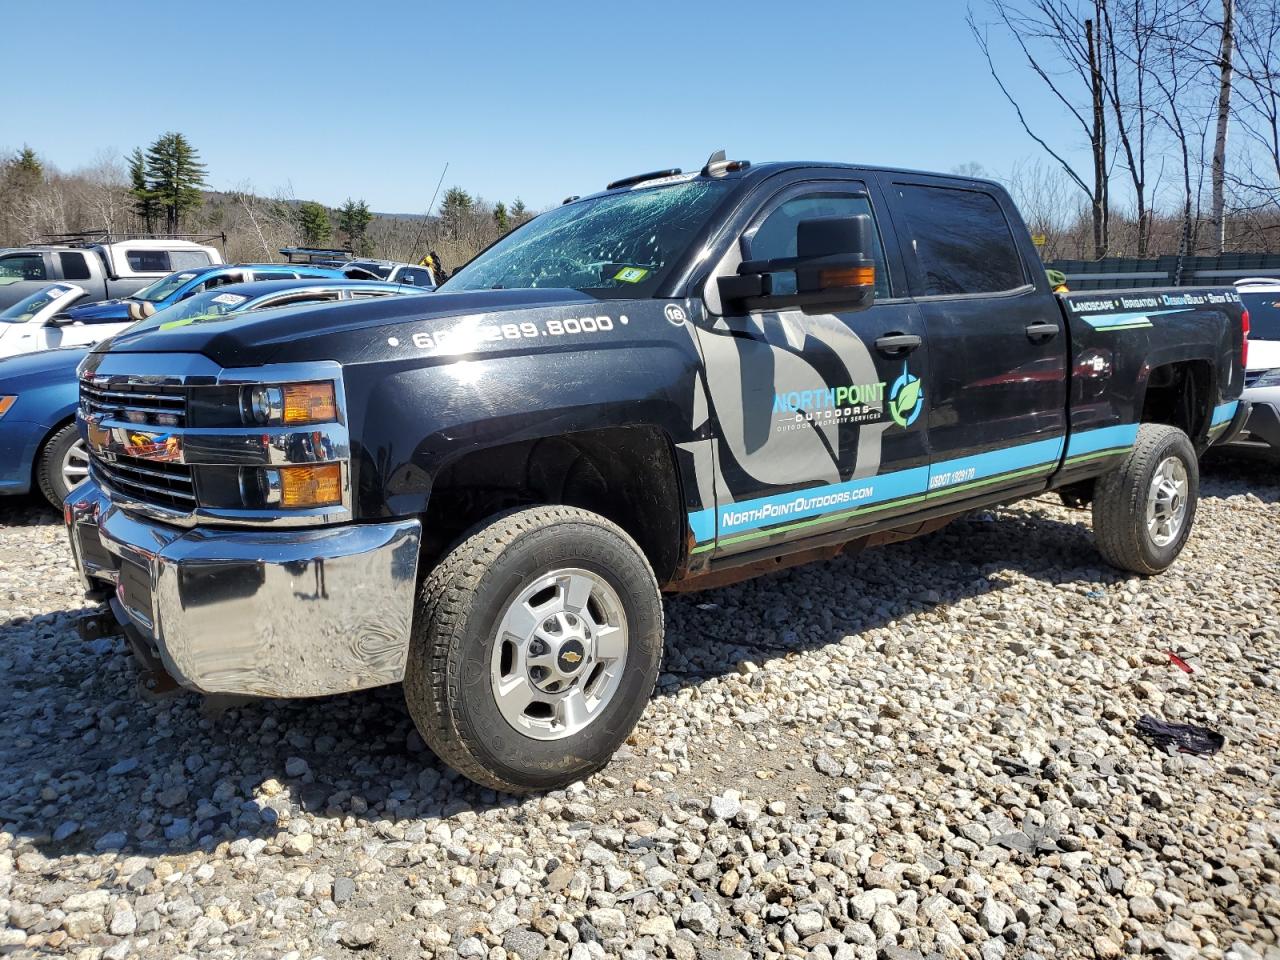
column 174, row 176
column 353, row 220
column 500, row 217
column 145, row 205
column 519, row 212
column 28, row 165
column 313, row 221
column 455, row 209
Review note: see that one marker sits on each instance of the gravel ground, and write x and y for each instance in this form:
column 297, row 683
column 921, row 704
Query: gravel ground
column 925, row 751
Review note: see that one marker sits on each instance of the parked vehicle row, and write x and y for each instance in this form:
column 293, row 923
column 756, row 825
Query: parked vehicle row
column 678, row 382
column 187, row 283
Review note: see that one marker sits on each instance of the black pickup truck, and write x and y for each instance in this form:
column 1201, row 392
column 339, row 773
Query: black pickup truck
column 678, row 382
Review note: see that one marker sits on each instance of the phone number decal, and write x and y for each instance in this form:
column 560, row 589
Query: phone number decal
column 529, row 330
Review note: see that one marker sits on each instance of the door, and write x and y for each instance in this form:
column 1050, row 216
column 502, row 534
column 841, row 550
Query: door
column 818, row 415
column 997, row 385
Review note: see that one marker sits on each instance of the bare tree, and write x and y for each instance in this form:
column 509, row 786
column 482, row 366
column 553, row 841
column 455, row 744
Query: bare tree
column 1128, row 41
column 1218, row 211
column 1257, row 105
column 101, row 192
column 1063, row 34
column 1042, row 194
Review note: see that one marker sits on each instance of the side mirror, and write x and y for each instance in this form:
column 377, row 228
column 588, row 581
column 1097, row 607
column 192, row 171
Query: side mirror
column 833, row 268
column 141, row 309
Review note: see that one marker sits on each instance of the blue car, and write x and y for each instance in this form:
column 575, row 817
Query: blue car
column 40, row 445
column 167, row 291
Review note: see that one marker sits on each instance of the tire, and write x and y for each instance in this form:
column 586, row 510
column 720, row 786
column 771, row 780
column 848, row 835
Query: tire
column 514, row 573
column 1122, row 524
column 52, row 464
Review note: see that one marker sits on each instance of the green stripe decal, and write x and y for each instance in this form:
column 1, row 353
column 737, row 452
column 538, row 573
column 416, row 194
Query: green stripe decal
column 1098, row 455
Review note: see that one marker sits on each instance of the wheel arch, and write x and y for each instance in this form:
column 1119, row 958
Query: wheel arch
column 1180, row 393
column 625, row 473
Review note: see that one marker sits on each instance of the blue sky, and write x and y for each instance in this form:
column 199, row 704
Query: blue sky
column 539, row 100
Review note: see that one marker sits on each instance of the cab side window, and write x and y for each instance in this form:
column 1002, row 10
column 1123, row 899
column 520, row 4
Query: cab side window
column 961, row 241
column 776, row 236
column 23, row 266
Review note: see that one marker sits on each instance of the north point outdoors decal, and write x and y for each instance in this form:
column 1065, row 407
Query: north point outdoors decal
column 852, row 403
column 906, row 398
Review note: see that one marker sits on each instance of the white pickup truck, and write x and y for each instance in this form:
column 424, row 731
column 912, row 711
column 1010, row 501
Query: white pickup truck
column 103, row 267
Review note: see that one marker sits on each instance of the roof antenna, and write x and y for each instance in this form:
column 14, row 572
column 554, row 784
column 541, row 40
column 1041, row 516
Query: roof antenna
column 718, row 166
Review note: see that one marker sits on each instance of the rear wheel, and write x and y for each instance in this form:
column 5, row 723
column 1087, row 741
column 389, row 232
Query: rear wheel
column 63, row 462
column 1143, row 510
column 535, row 648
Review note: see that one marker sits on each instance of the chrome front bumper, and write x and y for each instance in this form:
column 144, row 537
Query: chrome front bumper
column 271, row 613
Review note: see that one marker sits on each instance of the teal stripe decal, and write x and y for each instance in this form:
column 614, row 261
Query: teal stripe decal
column 1224, row 412
column 1126, row 321
column 827, row 503
column 1101, row 438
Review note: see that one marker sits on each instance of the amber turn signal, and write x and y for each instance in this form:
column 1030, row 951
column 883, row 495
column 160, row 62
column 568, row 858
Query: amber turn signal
column 310, row 402
column 318, row 485
column 850, row 277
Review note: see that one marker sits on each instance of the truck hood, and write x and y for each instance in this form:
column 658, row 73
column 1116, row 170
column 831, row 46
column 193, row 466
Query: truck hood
column 325, row 331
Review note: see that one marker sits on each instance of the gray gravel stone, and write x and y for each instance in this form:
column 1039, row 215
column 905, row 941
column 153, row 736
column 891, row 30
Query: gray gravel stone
column 922, row 751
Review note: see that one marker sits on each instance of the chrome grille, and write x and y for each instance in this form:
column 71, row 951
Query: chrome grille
column 151, row 405
column 156, row 482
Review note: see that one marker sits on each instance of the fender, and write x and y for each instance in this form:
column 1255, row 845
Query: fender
column 415, row 416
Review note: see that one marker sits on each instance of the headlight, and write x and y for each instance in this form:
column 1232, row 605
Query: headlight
column 1269, row 379
column 318, row 485
column 6, row 403
column 268, row 405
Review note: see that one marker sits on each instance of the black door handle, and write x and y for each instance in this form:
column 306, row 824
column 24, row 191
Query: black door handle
column 1041, row 331
column 896, row 344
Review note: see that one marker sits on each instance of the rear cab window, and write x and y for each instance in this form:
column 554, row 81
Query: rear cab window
column 960, row 240
column 74, row 266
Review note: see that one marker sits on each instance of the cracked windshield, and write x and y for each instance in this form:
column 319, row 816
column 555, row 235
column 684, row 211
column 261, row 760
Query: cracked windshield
column 618, row 245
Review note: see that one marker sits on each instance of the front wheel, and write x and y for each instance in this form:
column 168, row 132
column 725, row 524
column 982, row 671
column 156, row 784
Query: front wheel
column 1143, row 510
column 535, row 648
column 63, row 462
